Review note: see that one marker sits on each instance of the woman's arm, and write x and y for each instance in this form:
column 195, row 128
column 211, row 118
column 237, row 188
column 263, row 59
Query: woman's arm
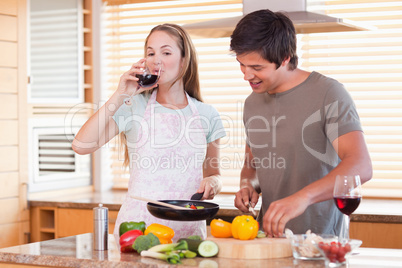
column 101, row 127
column 211, row 185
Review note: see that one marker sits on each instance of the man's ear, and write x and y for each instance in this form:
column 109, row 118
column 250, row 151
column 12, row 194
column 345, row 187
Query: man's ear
column 285, row 62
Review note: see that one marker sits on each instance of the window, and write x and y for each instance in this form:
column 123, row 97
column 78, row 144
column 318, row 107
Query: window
column 55, row 46
column 57, row 82
column 368, row 63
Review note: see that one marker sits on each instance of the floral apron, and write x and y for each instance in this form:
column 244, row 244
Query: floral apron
column 169, row 155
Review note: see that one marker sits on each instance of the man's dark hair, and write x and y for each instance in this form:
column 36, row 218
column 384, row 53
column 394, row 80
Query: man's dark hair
column 271, row 34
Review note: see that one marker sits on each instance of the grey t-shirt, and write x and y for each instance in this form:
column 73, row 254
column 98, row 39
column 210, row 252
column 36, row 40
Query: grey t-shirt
column 290, row 135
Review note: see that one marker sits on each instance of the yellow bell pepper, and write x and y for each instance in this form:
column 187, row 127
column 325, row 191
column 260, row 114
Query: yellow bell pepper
column 244, row 227
column 164, row 233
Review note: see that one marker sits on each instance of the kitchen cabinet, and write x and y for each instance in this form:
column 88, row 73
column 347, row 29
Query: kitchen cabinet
column 53, row 222
column 78, row 221
column 376, row 234
column 43, row 222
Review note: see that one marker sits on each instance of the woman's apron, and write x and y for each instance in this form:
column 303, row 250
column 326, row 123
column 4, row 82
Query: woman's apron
column 165, row 165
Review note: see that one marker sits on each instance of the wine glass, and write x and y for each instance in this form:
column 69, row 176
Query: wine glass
column 347, row 196
column 150, row 76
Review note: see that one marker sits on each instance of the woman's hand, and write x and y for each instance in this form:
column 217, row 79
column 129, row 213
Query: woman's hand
column 128, row 84
column 210, row 186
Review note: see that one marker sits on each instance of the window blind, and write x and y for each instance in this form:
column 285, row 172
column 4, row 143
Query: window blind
column 368, row 63
column 55, row 42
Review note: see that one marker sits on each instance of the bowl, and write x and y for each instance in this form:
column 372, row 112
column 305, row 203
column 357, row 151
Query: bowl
column 336, row 251
column 303, row 247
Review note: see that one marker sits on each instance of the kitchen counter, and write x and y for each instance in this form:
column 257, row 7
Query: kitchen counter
column 370, row 210
column 77, row 251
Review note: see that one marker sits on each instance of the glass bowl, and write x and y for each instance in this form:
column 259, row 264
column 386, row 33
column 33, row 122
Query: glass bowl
column 303, row 247
column 337, row 251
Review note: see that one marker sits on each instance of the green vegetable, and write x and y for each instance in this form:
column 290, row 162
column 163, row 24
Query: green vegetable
column 172, row 253
column 195, row 237
column 189, row 254
column 182, row 245
column 131, row 225
column 194, row 207
column 170, row 257
column 145, row 242
column 261, row 234
column 204, row 248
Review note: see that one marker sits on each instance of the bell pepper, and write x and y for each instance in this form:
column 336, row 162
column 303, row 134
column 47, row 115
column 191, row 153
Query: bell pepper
column 164, row 233
column 131, row 225
column 127, row 240
column 244, row 227
column 221, row 228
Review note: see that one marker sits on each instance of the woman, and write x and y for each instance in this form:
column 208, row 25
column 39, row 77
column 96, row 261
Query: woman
column 172, row 138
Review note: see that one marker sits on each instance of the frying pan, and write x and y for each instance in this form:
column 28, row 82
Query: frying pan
column 168, row 213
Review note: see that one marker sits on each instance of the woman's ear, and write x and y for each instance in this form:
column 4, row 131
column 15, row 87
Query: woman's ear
column 182, row 63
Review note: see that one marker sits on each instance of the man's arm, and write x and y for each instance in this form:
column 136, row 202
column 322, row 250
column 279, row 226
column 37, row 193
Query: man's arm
column 352, row 150
column 248, row 184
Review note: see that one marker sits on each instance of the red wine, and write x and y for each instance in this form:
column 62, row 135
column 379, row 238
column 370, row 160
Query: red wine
column 347, row 204
column 147, row 80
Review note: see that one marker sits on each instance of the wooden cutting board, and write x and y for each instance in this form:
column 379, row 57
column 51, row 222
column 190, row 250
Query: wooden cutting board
column 259, row 248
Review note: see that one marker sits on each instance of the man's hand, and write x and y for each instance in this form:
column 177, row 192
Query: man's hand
column 280, row 212
column 244, row 197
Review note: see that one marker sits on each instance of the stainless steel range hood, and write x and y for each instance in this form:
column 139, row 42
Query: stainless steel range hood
column 304, row 21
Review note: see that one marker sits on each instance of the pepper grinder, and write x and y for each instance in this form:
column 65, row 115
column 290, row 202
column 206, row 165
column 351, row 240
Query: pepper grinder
column 101, row 227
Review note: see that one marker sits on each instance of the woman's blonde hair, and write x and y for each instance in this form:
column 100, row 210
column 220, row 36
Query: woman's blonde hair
column 188, row 73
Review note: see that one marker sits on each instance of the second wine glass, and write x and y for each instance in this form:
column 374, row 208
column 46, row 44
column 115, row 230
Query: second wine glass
column 347, row 196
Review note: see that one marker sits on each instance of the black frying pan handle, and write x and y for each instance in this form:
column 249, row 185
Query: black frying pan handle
column 197, row 196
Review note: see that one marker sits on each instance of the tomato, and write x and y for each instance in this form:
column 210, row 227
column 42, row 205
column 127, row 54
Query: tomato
column 334, row 249
column 221, row 228
column 332, row 257
column 341, row 252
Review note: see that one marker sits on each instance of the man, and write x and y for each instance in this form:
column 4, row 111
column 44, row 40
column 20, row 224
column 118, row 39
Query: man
column 302, row 130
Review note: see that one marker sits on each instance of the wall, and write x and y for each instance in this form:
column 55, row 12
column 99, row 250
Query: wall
column 14, row 214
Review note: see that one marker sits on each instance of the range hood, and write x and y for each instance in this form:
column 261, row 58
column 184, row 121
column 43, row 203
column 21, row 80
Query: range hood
column 303, row 20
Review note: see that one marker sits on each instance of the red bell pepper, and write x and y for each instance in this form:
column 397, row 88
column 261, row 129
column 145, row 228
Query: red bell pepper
column 127, row 240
